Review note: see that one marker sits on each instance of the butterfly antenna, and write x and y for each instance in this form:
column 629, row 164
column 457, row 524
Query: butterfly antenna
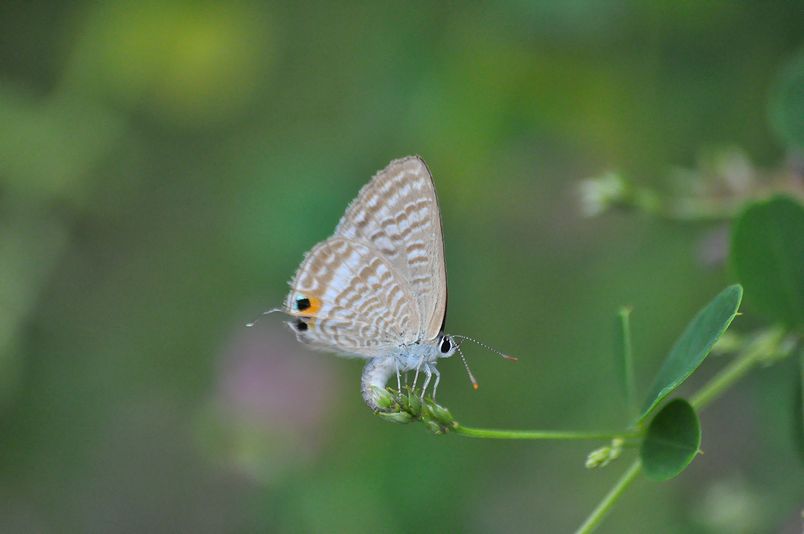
column 266, row 312
column 492, row 349
column 475, row 385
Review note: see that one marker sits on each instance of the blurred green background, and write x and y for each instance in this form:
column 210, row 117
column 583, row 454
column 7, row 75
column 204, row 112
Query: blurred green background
column 164, row 166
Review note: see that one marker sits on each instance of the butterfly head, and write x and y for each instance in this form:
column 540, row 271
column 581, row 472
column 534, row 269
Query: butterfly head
column 446, row 346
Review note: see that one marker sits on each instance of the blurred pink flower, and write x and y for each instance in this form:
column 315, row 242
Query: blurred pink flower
column 271, row 401
column 267, row 377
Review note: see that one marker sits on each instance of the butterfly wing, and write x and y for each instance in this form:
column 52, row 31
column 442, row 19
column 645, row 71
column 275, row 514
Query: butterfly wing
column 397, row 214
column 348, row 298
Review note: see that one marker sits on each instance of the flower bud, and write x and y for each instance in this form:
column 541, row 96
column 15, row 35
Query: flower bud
column 440, row 414
column 435, row 428
column 598, row 458
column 604, row 455
column 396, row 417
column 383, row 398
column 413, row 404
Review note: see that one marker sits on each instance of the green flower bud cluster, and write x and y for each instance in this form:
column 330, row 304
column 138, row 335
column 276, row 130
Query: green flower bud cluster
column 604, row 455
column 407, row 406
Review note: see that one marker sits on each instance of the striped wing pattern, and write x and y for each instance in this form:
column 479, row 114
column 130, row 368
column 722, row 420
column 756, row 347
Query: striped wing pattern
column 355, row 301
column 397, row 214
column 379, row 283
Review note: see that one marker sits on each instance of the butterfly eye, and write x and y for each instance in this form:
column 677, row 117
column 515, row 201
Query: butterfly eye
column 445, row 345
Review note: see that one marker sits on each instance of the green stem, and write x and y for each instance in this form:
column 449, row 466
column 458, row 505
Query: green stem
column 766, row 345
column 628, row 361
column 680, row 209
column 490, row 433
column 610, row 499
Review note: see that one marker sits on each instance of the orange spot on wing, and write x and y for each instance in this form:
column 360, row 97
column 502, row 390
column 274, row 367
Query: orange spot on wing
column 315, row 306
column 311, row 310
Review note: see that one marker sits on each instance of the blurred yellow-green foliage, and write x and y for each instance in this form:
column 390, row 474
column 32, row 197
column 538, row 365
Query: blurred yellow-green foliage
column 164, row 166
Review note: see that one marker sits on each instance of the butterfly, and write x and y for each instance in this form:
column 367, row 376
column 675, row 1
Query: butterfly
column 377, row 289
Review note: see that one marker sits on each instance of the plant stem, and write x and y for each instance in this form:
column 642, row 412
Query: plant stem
column 490, row 433
column 680, row 209
column 624, row 317
column 610, row 499
column 764, row 346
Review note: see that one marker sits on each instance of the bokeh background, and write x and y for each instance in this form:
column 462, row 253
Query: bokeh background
column 164, row 166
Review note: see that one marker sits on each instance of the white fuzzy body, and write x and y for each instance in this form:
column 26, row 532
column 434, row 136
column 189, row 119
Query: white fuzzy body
column 378, row 371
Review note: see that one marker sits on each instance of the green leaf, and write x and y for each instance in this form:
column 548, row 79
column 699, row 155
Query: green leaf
column 625, row 362
column 767, row 254
column 694, row 345
column 672, row 441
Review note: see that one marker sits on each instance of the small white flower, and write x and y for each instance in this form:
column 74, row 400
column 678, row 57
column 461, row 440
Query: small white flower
column 600, row 193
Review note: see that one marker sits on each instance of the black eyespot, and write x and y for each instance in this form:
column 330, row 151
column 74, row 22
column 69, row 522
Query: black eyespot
column 302, row 303
column 300, row 325
column 445, row 345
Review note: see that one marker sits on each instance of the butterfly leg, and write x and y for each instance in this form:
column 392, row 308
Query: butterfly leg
column 428, row 375
column 398, row 381
column 437, row 380
column 418, row 368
